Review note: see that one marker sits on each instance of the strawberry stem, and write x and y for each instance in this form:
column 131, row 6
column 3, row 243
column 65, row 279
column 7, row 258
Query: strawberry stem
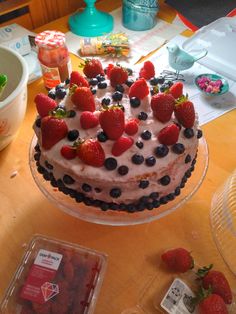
column 202, row 272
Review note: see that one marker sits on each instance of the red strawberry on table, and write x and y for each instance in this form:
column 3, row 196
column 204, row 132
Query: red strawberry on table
column 169, row 135
column 53, row 130
column 176, row 90
column 92, row 68
column 88, row 120
column 121, row 145
column 91, row 152
column 78, row 79
column 139, row 89
column 163, row 106
column 178, row 260
column 213, row 304
column 44, row 104
column 83, row 99
column 184, row 112
column 112, row 121
column 147, row 71
column 118, row 75
column 217, row 281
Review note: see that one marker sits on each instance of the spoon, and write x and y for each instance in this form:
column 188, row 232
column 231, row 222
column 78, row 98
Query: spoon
column 3, row 82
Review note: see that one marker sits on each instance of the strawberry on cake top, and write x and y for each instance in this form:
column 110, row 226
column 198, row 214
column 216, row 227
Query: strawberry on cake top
column 116, row 140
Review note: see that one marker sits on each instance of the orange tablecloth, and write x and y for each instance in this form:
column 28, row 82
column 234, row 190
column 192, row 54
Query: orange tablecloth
column 133, row 251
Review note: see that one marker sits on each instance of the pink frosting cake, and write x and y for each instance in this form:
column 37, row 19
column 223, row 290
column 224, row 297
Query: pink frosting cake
column 116, row 140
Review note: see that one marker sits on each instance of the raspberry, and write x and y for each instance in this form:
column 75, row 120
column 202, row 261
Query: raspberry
column 147, row 71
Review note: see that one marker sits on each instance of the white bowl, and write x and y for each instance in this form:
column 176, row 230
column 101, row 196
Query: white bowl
column 13, row 100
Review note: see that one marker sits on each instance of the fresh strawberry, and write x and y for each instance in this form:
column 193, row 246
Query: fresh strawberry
column 147, row 71
column 176, row 89
column 131, row 127
column 78, row 79
column 178, row 260
column 44, row 104
column 53, row 130
column 217, row 281
column 139, row 89
column 112, row 121
column 108, row 69
column 169, row 135
column 213, row 304
column 88, row 120
column 163, row 106
column 83, row 99
column 118, row 75
column 184, row 112
column 92, row 68
column 121, row 145
column 68, row 152
column 91, row 153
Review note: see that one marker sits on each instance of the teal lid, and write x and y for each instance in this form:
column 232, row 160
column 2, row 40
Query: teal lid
column 91, row 22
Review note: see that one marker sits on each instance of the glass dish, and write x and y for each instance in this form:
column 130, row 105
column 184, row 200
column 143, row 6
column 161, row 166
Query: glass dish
column 223, row 221
column 120, row 218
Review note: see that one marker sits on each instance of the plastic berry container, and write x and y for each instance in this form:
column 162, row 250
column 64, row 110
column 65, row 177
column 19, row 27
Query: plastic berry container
column 55, row 277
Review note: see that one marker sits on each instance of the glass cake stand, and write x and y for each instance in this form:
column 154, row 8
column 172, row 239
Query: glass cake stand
column 121, row 218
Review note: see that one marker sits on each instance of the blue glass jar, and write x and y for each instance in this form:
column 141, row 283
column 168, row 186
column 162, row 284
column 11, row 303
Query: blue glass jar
column 139, row 15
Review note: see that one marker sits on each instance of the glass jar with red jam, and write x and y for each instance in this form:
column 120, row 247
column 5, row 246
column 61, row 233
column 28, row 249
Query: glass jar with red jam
column 54, row 57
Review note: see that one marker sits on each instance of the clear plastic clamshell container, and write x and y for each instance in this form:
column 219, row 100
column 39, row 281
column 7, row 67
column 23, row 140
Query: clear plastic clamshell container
column 223, row 221
column 55, row 277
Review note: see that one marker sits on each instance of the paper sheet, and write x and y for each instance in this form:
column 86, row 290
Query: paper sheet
column 141, row 42
column 207, row 107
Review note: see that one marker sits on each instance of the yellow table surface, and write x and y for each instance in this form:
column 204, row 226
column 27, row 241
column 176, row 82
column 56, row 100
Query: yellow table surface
column 133, row 251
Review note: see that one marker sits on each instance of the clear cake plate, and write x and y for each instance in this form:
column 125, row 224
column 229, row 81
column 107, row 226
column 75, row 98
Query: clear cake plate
column 121, row 218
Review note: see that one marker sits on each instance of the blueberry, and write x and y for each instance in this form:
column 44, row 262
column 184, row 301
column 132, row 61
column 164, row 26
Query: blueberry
column 150, row 161
column 154, row 195
column 143, row 184
column 154, row 91
column 164, row 87
column 97, row 190
column 188, row 173
column 161, row 151
column 154, row 81
column 139, row 144
column 142, row 116
column 178, row 148
column 59, row 86
column 102, row 85
column 164, row 200
column 79, row 197
column 106, row 101
column 37, row 156
column 160, row 79
column 68, row 179
column 86, row 187
column 110, row 163
column 150, row 206
column 117, row 96
column 131, row 208
column 156, row 203
column 52, row 94
column 67, row 81
column 177, row 191
column 38, row 122
column 188, row 133
column 130, row 71
column 102, row 137
column 129, row 82
column 48, row 165
column 120, row 88
column 146, row 135
column 165, row 180
column 188, row 159
column 104, row 206
column 93, row 91
column 169, row 83
column 137, row 159
column 134, row 102
column 115, row 192
column 199, row 133
column 73, row 135
column 171, row 196
column 123, row 170
column 71, row 114
column 60, row 93
column 93, row 81
column 100, row 78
